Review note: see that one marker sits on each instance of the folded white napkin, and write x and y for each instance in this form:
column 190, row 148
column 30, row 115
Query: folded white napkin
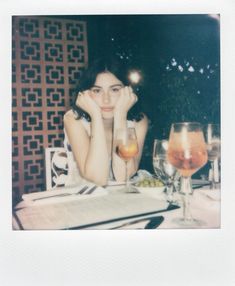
column 63, row 194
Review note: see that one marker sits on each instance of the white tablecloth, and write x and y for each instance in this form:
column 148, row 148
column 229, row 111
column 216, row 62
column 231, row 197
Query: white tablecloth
column 92, row 210
column 205, row 207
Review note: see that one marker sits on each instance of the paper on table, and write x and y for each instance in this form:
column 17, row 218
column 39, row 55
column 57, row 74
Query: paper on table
column 87, row 213
column 62, row 195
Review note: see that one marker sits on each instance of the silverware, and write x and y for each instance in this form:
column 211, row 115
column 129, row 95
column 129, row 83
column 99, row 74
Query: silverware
column 200, row 186
column 82, row 190
column 154, row 222
column 91, row 190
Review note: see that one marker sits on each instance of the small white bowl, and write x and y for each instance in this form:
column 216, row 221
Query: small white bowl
column 157, row 192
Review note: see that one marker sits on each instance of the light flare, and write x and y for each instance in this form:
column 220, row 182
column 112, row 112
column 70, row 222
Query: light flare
column 134, row 77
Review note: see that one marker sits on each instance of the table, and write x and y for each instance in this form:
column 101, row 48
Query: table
column 111, row 209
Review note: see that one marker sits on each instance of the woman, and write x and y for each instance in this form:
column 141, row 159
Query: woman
column 103, row 105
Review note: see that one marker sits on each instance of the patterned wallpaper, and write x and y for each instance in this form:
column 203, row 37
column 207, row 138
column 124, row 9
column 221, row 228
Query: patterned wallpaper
column 48, row 56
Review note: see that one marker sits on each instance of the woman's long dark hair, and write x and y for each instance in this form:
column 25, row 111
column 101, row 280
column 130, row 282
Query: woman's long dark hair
column 88, row 78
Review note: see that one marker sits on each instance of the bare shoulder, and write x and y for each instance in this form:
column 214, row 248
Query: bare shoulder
column 69, row 115
column 71, row 122
column 70, row 118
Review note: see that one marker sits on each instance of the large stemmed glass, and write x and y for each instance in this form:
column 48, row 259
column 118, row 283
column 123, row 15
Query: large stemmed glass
column 126, row 147
column 187, row 153
column 164, row 170
column 212, row 136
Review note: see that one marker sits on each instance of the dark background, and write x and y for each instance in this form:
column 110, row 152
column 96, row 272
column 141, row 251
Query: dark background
column 159, row 46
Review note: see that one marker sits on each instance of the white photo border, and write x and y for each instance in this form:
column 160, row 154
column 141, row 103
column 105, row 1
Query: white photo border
column 164, row 257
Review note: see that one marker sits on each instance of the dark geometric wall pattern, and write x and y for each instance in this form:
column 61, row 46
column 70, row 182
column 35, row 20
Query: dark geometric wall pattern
column 48, row 56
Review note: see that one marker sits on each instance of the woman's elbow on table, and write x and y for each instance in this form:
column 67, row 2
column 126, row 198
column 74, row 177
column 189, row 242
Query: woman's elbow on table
column 96, row 179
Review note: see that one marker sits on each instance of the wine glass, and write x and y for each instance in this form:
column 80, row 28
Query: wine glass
column 164, row 170
column 126, row 147
column 212, row 136
column 187, row 153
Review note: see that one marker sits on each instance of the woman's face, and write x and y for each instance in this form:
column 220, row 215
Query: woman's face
column 105, row 92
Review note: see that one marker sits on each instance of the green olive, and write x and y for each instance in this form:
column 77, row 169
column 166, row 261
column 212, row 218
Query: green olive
column 149, row 182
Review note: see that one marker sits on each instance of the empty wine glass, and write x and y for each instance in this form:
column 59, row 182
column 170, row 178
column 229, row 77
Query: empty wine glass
column 212, row 136
column 187, row 153
column 126, row 147
column 164, row 170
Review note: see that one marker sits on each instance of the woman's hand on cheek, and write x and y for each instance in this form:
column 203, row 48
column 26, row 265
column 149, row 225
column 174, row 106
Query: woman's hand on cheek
column 125, row 101
column 85, row 102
